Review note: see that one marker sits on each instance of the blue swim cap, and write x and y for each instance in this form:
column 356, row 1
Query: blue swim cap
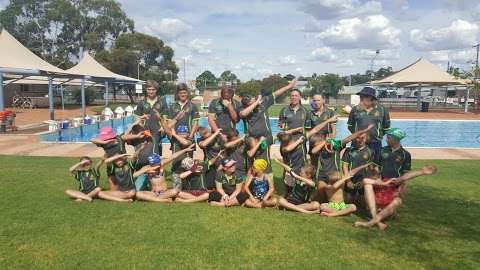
column 154, row 159
column 182, row 129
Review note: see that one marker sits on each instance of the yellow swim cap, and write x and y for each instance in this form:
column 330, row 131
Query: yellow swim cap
column 260, row 164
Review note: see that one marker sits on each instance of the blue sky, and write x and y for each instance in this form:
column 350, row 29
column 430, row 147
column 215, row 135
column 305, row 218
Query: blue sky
column 254, row 38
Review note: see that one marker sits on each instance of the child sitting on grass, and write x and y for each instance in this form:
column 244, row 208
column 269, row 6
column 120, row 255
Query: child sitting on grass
column 229, row 187
column 299, row 199
column 122, row 173
column 194, row 186
column 259, row 186
column 390, row 197
column 336, row 205
column 88, row 179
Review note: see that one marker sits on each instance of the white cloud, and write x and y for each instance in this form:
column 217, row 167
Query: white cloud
column 323, row 54
column 332, row 9
column 345, row 63
column 201, row 46
column 371, row 32
column 246, row 66
column 366, row 54
column 168, row 29
column 469, row 7
column 457, row 57
column 460, row 34
column 288, row 60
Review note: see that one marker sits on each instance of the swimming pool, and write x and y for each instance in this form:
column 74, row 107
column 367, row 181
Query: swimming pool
column 420, row 133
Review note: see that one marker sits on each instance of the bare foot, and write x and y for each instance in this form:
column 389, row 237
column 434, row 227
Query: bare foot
column 78, row 200
column 361, row 224
column 382, row 226
column 325, row 214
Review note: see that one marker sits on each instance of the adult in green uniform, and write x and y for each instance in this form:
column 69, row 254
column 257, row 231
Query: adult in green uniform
column 367, row 112
column 148, row 108
column 294, row 116
column 223, row 112
column 255, row 113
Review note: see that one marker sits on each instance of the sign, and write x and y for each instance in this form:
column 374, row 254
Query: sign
column 138, row 88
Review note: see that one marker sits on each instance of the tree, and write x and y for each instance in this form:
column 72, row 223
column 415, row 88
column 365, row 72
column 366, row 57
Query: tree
column 134, row 52
column 56, row 30
column 289, row 77
column 328, row 85
column 383, row 72
column 251, row 88
column 272, row 83
column 205, row 80
column 228, row 76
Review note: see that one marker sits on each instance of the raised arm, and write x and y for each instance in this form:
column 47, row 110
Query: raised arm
column 145, row 169
column 294, row 130
column 75, row 167
column 318, row 147
column 99, row 164
column 284, row 89
column 355, row 135
column 248, row 110
column 100, row 142
column 177, row 154
column 285, row 166
column 203, row 144
column 320, row 126
column 307, row 181
column 112, row 159
column 234, row 143
column 291, row 146
column 426, row 170
column 216, row 157
column 251, row 152
column 349, row 175
column 231, row 110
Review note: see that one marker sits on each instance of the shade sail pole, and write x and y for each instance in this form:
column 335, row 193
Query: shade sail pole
column 82, row 89
column 2, row 94
column 63, row 98
column 106, row 93
column 466, row 99
column 51, row 104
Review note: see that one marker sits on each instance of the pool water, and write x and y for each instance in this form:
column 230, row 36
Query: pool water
column 420, row 133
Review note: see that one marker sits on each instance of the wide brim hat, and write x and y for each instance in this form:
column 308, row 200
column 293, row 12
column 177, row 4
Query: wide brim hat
column 368, row 91
column 107, row 133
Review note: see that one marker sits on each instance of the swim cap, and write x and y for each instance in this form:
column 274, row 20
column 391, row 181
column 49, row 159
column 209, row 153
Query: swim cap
column 336, row 144
column 187, row 163
column 260, row 164
column 154, row 159
column 396, row 133
column 182, row 129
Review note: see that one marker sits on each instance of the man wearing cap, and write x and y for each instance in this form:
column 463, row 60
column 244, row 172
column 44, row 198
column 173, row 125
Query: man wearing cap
column 255, row 113
column 183, row 116
column 223, row 112
column 148, row 109
column 367, row 112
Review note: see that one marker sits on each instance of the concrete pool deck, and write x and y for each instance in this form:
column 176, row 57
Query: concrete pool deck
column 29, row 145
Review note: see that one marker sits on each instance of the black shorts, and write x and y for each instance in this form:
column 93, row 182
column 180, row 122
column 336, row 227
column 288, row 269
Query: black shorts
column 215, row 196
column 294, row 200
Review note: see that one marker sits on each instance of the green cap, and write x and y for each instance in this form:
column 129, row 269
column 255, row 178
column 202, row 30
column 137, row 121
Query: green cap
column 336, row 144
column 396, row 133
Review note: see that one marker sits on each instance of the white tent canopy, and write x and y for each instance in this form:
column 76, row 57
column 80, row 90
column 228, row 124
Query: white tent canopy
column 420, row 72
column 88, row 65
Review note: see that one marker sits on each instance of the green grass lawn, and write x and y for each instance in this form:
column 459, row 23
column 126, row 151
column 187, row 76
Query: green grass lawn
column 40, row 228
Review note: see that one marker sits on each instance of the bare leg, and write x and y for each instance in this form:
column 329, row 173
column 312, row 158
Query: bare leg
column 320, row 194
column 344, row 212
column 311, row 206
column 150, row 196
column 111, row 184
column 117, row 196
column 94, row 193
column 270, row 202
column 283, row 202
column 388, row 211
column 77, row 195
column 185, row 197
column 220, row 203
column 252, row 204
column 370, row 197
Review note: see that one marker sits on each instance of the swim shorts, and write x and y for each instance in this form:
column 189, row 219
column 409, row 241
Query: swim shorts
column 337, row 206
column 385, row 195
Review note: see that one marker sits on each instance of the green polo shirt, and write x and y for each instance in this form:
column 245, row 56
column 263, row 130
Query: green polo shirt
column 144, row 107
column 301, row 192
column 87, row 180
column 355, row 157
column 359, row 118
column 212, row 150
column 394, row 163
column 123, row 176
column 318, row 117
column 257, row 123
column 176, row 146
column 221, row 115
column 191, row 114
column 290, row 118
column 239, row 154
column 195, row 181
column 296, row 158
column 229, row 183
column 327, row 162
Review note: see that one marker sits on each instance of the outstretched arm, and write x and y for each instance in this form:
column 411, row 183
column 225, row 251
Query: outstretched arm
column 248, row 110
column 203, row 144
column 284, row 89
column 285, row 166
column 318, row 147
column 294, row 130
column 426, row 170
column 320, row 126
column 234, row 143
column 303, row 179
column 178, row 154
column 100, row 142
column 349, row 175
column 355, row 135
column 291, row 146
column 251, row 152
column 75, row 167
column 99, row 164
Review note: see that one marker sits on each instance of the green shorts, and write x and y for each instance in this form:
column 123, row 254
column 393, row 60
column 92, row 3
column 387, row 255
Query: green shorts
column 337, row 206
